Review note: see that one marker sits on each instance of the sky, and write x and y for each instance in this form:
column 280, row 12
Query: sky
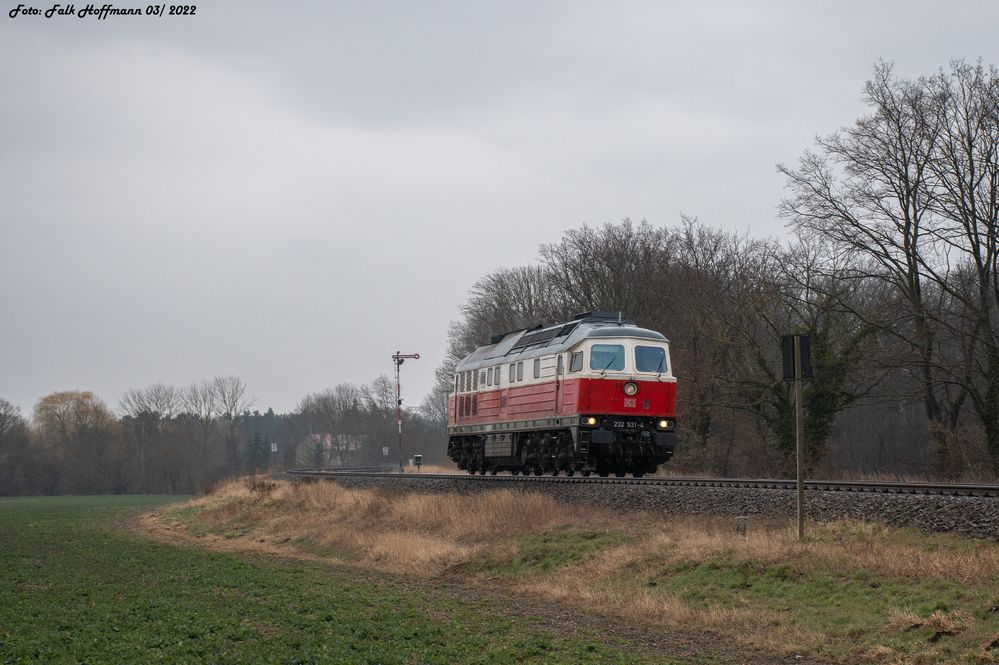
column 291, row 192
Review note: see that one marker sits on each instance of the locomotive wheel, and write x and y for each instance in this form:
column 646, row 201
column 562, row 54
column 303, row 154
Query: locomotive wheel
column 538, row 471
column 603, row 474
column 637, row 474
column 492, row 472
column 570, row 472
column 514, row 472
column 586, row 474
column 554, row 472
column 620, row 474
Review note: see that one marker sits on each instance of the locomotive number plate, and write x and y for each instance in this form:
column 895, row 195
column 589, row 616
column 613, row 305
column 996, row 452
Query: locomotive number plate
column 627, row 424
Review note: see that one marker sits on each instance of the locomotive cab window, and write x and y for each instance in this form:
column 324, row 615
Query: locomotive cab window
column 607, row 357
column 576, row 362
column 650, row 359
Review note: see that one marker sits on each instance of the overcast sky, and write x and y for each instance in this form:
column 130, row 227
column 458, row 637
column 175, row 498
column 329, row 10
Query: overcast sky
column 290, row 192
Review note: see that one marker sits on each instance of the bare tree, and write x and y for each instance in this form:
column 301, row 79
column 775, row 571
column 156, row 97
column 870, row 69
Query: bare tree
column 17, row 464
column 965, row 166
column 908, row 197
column 332, row 422
column 145, row 413
column 434, row 405
column 201, row 406
column 159, row 398
column 82, row 435
column 231, row 400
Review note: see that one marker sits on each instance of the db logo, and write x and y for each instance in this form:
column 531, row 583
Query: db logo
column 630, row 402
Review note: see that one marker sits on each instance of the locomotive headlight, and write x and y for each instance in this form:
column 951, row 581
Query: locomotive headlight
column 630, row 388
column 665, row 423
column 589, row 421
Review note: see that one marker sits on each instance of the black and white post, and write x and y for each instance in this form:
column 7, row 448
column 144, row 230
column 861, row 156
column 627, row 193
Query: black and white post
column 398, row 358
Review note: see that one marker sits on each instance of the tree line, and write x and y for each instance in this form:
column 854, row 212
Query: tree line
column 892, row 267
column 168, row 440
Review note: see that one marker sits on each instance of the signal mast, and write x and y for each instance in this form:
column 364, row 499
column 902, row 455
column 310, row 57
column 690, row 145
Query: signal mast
column 398, row 358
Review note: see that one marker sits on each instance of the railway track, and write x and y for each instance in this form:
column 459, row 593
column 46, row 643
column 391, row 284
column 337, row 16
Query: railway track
column 936, row 489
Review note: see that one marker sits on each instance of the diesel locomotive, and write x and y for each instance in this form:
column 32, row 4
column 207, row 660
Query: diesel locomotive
column 592, row 395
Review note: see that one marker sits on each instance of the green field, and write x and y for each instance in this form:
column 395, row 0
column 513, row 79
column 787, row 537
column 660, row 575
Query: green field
column 76, row 586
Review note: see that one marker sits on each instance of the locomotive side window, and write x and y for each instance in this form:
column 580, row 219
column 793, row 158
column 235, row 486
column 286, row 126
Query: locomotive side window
column 650, row 359
column 537, row 368
column 513, row 372
column 520, row 371
column 604, row 357
column 576, row 362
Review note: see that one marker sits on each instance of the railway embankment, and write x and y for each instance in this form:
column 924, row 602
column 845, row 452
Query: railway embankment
column 974, row 516
column 854, row 591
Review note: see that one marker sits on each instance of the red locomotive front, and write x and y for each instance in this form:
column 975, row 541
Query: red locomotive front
column 596, row 394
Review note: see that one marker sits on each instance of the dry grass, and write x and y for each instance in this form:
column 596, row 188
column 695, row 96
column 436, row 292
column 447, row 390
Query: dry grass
column 391, row 531
column 436, row 468
column 333, row 514
column 449, row 534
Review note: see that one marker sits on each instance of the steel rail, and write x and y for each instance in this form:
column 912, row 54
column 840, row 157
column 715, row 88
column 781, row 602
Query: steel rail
column 882, row 487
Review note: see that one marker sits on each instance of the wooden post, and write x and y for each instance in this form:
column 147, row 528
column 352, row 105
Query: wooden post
column 798, row 436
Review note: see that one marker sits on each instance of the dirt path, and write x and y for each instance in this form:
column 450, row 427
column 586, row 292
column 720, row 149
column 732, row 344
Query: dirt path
column 556, row 618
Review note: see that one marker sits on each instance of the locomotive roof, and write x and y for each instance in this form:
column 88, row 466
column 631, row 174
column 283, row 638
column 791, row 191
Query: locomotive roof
column 533, row 342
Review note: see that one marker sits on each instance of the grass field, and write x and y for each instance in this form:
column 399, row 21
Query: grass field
column 854, row 592
column 78, row 585
column 275, row 572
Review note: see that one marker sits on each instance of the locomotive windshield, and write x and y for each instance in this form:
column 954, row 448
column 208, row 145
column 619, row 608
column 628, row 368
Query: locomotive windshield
column 604, row 357
column 650, row 359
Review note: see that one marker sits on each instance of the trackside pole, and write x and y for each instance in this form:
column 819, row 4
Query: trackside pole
column 798, row 436
column 796, row 356
column 398, row 359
